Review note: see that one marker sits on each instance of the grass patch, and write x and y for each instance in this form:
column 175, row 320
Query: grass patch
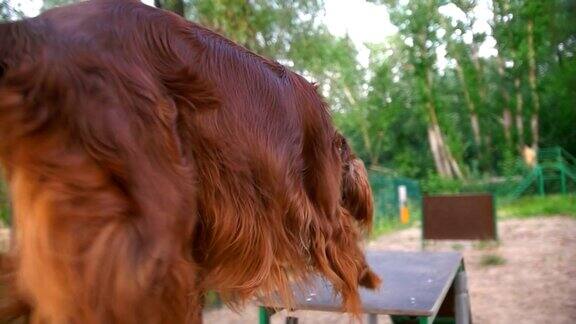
column 457, row 247
column 485, row 245
column 539, row 206
column 489, row 260
column 382, row 227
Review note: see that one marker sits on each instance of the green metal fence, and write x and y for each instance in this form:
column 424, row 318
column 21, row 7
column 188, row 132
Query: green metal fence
column 386, row 190
column 554, row 173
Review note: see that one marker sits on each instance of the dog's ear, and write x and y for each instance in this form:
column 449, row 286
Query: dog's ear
column 4, row 43
column 3, row 69
column 8, row 38
column 343, row 148
column 356, row 191
column 16, row 43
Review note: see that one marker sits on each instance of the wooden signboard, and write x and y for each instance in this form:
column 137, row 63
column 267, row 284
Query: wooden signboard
column 459, row 217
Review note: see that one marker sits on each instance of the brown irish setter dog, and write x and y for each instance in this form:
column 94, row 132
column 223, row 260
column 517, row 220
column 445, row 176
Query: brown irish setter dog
column 150, row 160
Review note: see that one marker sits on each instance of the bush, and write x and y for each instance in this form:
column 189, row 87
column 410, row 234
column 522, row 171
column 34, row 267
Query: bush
column 489, row 260
column 539, row 206
column 434, row 184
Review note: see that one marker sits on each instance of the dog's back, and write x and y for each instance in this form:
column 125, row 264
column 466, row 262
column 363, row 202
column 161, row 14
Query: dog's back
column 150, row 159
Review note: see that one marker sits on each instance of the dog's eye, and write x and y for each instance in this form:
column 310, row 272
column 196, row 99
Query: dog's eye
column 3, row 69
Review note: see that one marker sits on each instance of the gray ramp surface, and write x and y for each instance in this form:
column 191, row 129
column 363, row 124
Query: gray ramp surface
column 414, row 283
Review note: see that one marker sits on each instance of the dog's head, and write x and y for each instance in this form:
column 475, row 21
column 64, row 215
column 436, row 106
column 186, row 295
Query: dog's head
column 356, row 192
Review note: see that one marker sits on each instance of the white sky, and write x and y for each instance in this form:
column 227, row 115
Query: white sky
column 30, row 8
column 364, row 22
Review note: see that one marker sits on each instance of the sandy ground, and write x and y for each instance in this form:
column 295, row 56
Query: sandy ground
column 536, row 283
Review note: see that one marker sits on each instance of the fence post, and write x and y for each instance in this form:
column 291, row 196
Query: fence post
column 562, row 180
column 541, row 190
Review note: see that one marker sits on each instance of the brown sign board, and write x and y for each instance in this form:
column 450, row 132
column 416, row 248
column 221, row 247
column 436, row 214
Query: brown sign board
column 459, row 217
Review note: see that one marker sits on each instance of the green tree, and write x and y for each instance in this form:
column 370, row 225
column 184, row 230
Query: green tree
column 477, row 113
column 500, row 32
column 558, row 63
column 469, row 70
column 264, row 26
column 8, row 12
column 176, row 6
column 396, row 122
column 418, row 22
column 289, row 31
column 47, row 4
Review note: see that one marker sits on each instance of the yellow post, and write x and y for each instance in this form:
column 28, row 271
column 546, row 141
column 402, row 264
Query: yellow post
column 403, row 202
column 404, row 215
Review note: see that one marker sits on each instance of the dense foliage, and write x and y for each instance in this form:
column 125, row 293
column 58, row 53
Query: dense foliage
column 405, row 113
column 8, row 12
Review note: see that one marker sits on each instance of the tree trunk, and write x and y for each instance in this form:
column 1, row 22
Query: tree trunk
column 482, row 96
column 471, row 108
column 368, row 143
column 479, row 75
column 454, row 164
column 446, row 165
column 442, row 166
column 366, row 138
column 506, row 114
column 519, row 114
column 534, row 121
column 499, row 10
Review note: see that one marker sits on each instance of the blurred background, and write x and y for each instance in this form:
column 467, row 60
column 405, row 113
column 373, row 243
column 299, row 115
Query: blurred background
column 438, row 96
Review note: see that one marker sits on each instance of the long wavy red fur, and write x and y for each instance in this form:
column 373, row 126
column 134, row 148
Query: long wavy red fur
column 150, row 160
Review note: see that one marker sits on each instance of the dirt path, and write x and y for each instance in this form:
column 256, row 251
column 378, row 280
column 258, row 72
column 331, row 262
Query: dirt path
column 535, row 284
